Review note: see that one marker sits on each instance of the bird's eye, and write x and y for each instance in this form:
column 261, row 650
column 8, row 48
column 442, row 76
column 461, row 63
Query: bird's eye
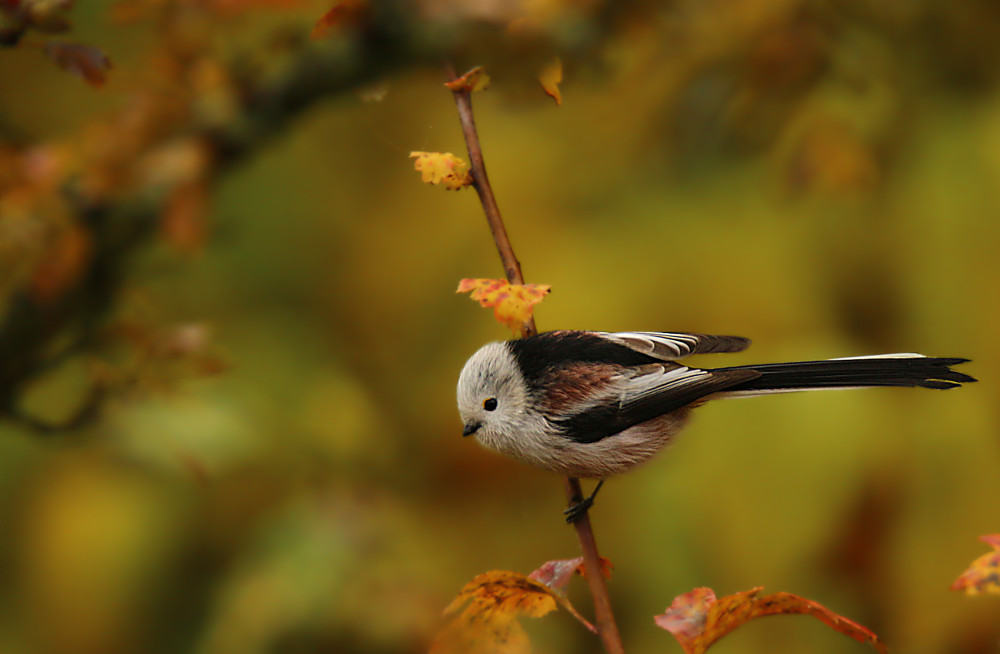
column 490, row 404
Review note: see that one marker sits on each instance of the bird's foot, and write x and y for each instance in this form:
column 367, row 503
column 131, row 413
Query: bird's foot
column 575, row 511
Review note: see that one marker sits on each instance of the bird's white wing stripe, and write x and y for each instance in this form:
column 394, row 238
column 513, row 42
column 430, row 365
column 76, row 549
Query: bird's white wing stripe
column 641, row 386
column 898, row 355
column 678, row 343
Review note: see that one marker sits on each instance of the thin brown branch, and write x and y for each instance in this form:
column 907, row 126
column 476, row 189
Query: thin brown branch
column 607, row 629
column 512, row 267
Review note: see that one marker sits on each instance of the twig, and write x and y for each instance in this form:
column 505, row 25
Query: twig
column 607, row 629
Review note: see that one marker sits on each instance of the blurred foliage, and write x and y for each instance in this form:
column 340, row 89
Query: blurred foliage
column 229, row 336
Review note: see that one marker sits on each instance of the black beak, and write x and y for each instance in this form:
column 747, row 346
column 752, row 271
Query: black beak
column 471, row 429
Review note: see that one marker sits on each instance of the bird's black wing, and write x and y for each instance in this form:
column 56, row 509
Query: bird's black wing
column 541, row 354
column 646, row 393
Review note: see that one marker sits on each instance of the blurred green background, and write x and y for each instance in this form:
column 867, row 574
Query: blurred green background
column 820, row 177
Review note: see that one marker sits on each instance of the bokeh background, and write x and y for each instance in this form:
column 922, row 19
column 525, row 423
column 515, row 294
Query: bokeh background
column 276, row 464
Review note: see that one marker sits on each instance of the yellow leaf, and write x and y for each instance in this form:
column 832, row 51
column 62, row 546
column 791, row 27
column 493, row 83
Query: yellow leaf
column 474, row 80
column 551, row 77
column 442, row 168
column 512, row 304
column 489, row 621
column 983, row 576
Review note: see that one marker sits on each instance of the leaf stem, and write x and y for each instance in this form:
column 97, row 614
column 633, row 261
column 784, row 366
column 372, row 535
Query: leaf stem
column 606, row 627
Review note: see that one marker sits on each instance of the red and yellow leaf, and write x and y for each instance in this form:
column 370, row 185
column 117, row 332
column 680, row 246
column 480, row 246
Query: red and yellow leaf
column 550, row 78
column 495, row 600
column 983, row 576
column 513, row 304
column 474, row 80
column 84, row 61
column 697, row 619
column 442, row 168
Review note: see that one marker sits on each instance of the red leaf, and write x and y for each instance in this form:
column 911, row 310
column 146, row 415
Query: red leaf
column 86, row 62
column 556, row 574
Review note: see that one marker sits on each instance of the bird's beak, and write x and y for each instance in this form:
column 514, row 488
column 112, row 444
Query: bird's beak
column 471, row 428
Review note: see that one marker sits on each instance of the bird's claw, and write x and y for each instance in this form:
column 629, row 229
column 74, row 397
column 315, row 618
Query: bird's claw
column 575, row 511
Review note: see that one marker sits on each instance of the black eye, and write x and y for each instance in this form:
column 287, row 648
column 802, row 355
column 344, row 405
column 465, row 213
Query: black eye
column 490, row 404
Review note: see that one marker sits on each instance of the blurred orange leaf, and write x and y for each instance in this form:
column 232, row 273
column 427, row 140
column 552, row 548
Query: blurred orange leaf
column 48, row 17
column 512, row 304
column 183, row 222
column 64, row 261
column 442, row 168
column 343, row 14
column 697, row 619
column 551, row 77
column 474, row 80
column 983, row 576
column 85, row 61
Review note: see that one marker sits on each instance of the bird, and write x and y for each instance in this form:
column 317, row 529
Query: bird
column 590, row 404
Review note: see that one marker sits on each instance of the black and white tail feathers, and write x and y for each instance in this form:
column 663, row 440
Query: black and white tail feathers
column 852, row 372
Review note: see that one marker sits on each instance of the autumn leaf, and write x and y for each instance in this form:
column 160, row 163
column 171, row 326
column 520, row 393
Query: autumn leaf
column 86, row 62
column 495, row 600
column 556, row 574
column 489, row 621
column 442, row 168
column 474, row 80
column 983, row 576
column 346, row 13
column 697, row 619
column 512, row 304
column 550, row 79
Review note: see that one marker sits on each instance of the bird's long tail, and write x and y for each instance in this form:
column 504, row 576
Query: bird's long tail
column 852, row 372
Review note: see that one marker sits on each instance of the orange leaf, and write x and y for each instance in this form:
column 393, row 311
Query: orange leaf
column 550, row 78
column 474, row 80
column 84, row 61
column 489, row 622
column 442, row 168
column 983, row 576
column 512, row 304
column 346, row 13
column 697, row 619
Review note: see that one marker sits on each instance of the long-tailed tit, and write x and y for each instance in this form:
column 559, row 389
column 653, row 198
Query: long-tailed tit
column 596, row 404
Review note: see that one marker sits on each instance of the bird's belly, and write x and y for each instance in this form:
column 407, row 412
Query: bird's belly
column 616, row 454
